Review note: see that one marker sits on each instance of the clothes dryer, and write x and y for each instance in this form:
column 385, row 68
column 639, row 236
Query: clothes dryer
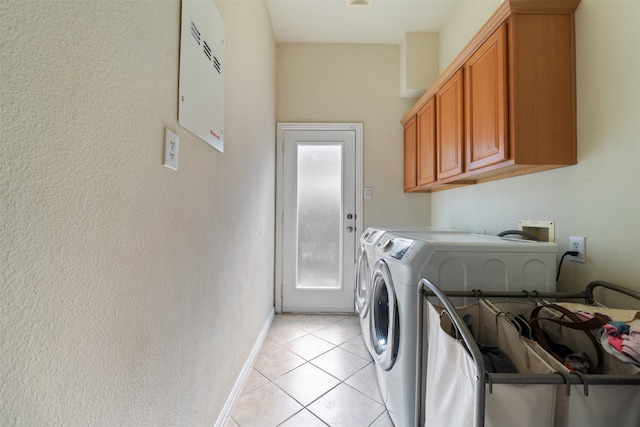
column 364, row 267
column 453, row 262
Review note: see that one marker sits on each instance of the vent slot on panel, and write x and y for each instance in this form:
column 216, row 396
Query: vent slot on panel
column 217, row 64
column 195, row 33
column 207, row 50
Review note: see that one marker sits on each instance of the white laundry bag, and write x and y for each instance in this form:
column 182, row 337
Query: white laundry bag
column 451, row 375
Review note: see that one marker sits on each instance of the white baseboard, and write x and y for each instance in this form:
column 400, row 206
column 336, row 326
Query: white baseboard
column 237, row 388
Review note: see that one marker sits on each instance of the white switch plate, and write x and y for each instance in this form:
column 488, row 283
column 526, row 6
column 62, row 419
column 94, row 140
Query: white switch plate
column 170, row 149
column 368, row 193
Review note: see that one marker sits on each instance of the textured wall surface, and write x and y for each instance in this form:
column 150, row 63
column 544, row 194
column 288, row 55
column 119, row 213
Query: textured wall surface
column 130, row 294
column 599, row 197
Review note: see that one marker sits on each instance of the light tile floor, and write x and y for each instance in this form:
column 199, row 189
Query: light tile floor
column 312, row 370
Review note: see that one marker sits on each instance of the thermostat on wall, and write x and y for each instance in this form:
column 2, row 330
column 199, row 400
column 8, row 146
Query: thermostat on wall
column 201, row 102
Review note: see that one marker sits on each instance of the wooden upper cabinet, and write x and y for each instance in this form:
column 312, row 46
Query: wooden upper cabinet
column 426, row 144
column 450, row 127
column 410, row 154
column 506, row 105
column 486, row 103
column 542, row 89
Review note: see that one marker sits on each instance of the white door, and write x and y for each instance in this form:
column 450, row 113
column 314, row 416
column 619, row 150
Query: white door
column 319, row 217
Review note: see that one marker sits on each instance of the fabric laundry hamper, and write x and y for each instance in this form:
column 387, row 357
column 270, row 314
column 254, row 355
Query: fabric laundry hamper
column 450, row 393
column 451, row 375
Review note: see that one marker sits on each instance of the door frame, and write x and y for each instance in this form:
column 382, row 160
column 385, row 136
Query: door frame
column 281, row 128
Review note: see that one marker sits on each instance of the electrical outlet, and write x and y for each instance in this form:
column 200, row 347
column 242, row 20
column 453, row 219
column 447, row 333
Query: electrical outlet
column 170, row 149
column 578, row 244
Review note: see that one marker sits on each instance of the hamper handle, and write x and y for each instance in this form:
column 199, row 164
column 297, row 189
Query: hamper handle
column 576, row 323
column 610, row 286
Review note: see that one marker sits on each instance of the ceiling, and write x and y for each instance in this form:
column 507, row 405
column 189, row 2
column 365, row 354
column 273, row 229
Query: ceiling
column 336, row 21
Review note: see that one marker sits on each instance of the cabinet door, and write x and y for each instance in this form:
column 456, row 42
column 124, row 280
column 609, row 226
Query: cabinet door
column 486, row 102
column 450, row 127
column 426, row 143
column 410, row 161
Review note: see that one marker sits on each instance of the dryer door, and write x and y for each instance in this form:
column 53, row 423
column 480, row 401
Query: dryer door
column 363, row 278
column 385, row 322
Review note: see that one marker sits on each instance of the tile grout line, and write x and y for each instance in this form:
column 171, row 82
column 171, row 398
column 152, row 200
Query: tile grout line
column 340, row 382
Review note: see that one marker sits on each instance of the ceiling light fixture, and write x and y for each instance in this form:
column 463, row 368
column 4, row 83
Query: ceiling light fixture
column 359, row 2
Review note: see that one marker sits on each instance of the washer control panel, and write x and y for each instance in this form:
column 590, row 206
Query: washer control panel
column 399, row 248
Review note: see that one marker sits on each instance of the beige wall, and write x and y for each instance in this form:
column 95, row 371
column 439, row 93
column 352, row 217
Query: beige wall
column 465, row 20
column 126, row 297
column 599, row 197
column 355, row 83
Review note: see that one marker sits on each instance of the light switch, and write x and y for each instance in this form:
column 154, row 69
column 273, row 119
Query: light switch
column 368, row 193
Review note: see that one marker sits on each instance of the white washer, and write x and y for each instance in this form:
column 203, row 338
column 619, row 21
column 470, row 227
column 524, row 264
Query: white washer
column 453, row 262
column 364, row 266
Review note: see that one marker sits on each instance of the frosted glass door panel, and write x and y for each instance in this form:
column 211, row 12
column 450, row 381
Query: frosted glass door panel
column 319, row 216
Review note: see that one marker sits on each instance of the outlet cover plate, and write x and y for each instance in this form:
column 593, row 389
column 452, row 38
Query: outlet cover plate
column 170, row 149
column 577, row 244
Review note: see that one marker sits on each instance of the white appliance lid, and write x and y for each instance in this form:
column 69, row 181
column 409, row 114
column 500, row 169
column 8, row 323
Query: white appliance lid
column 471, row 242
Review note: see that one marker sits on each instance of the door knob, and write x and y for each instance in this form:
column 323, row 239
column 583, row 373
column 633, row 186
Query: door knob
column 350, row 229
column 349, row 216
